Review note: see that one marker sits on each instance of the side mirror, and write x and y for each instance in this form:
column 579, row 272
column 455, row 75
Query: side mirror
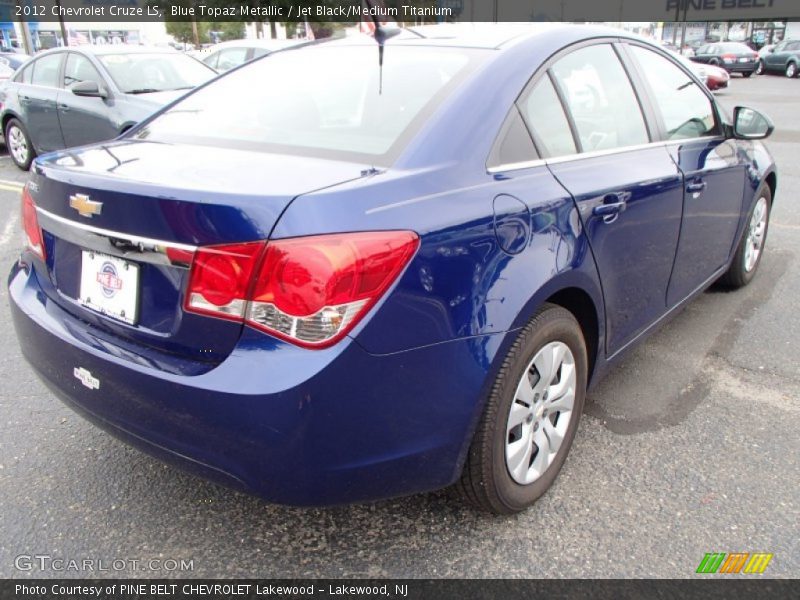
column 749, row 124
column 88, row 88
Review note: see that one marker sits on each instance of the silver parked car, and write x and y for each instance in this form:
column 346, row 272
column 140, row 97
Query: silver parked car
column 80, row 95
column 227, row 55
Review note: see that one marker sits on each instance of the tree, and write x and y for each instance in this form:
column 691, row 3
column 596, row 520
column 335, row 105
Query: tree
column 182, row 31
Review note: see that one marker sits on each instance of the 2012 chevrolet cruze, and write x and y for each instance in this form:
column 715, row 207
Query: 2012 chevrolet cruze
column 326, row 281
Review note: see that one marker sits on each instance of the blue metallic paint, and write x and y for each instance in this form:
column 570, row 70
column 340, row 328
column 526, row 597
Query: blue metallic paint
column 391, row 409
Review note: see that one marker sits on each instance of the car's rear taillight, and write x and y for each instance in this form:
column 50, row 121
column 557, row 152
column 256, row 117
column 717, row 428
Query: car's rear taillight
column 310, row 291
column 30, row 224
column 220, row 279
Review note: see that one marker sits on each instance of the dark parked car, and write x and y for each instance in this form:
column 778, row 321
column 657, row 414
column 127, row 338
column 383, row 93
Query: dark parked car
column 13, row 59
column 331, row 291
column 731, row 56
column 76, row 96
column 227, row 55
column 783, row 58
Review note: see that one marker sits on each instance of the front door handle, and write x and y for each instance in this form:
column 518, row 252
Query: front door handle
column 697, row 186
column 64, row 107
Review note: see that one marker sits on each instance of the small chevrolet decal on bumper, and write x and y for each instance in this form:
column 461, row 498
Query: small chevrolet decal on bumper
column 85, row 377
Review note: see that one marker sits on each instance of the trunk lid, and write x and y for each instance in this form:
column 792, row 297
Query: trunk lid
column 148, row 205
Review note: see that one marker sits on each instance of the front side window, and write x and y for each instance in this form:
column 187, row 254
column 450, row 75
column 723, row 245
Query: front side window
column 45, row 70
column 79, row 68
column 329, row 103
column 686, row 110
column 545, row 116
column 142, row 73
column 24, row 76
column 600, row 99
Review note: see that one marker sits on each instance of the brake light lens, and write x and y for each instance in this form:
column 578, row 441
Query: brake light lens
column 728, row 58
column 220, row 278
column 310, row 291
column 30, row 223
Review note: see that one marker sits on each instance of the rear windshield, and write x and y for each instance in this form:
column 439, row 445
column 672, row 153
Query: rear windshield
column 320, row 101
column 736, row 47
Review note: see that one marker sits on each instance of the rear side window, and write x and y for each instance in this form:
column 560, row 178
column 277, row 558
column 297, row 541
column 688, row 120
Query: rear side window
column 686, row 110
column 600, row 98
column 231, row 57
column 545, row 116
column 211, row 61
column 514, row 144
column 45, row 70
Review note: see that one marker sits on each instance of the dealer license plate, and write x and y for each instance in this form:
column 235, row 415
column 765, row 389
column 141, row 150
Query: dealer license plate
column 110, row 285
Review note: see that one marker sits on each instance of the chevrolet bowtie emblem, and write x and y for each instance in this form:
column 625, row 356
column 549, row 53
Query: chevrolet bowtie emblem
column 85, row 206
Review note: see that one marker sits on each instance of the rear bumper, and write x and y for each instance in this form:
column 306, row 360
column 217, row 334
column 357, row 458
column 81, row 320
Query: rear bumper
column 740, row 67
column 291, row 425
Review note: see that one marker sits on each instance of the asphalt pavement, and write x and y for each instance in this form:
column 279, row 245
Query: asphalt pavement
column 690, row 446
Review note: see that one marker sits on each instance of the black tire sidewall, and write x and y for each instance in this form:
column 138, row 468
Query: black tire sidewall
column 15, row 123
column 786, row 71
column 556, row 324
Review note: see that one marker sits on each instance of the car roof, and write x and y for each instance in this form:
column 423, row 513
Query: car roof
column 492, row 36
column 268, row 44
column 106, row 49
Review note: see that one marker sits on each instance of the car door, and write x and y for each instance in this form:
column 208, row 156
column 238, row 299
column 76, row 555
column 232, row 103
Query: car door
column 713, row 174
column 702, row 54
column 84, row 120
column 776, row 59
column 627, row 189
column 792, row 54
column 37, row 101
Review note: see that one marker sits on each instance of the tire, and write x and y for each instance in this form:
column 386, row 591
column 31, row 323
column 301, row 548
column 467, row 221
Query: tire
column 498, row 444
column 760, row 67
column 19, row 144
column 748, row 74
column 744, row 266
column 791, row 70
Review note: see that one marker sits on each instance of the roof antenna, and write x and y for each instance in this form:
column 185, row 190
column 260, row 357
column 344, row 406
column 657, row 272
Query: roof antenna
column 382, row 33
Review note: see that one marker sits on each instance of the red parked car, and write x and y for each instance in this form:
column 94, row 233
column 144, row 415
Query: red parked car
column 717, row 78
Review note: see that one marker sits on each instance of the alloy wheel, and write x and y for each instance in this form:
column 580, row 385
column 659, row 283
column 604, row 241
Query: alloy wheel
column 755, row 235
column 18, row 144
column 540, row 413
column 791, row 70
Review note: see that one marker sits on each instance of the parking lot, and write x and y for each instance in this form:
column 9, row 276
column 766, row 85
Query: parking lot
column 689, row 447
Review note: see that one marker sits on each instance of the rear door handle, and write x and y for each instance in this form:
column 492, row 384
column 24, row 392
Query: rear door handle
column 696, row 186
column 613, row 204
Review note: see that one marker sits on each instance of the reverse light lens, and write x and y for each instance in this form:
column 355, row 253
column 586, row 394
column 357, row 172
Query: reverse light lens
column 30, row 223
column 310, row 291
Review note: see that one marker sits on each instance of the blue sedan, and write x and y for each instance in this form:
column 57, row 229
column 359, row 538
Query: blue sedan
column 371, row 281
